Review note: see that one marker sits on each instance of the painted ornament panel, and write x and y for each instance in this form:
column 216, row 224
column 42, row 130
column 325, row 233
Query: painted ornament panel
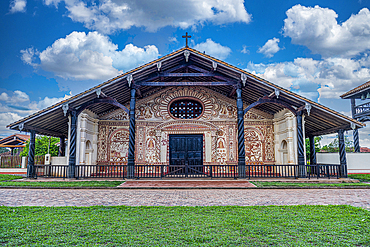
column 118, row 146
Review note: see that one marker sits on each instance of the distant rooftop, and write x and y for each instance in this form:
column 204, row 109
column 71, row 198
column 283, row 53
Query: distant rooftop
column 357, row 92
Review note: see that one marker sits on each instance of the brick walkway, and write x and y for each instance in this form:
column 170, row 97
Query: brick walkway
column 201, row 197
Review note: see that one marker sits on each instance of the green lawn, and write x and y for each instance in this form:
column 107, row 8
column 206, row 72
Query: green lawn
column 361, row 177
column 185, row 226
column 63, row 184
column 295, row 184
column 5, row 182
column 6, row 177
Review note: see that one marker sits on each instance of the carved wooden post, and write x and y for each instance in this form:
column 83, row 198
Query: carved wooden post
column 356, row 140
column 62, row 146
column 72, row 147
column 312, row 150
column 131, row 146
column 31, row 155
column 301, row 164
column 241, row 146
column 342, row 153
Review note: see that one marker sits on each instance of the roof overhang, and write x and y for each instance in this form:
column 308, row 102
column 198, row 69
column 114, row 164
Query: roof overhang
column 185, row 67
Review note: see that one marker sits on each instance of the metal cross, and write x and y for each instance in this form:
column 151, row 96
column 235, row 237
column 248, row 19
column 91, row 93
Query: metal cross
column 186, row 37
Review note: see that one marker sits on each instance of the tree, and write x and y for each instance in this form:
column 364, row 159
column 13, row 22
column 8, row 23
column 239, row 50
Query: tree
column 42, row 144
column 317, row 146
column 333, row 147
column 3, row 150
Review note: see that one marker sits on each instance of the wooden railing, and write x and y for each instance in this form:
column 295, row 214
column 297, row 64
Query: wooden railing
column 362, row 109
column 324, row 171
column 184, row 171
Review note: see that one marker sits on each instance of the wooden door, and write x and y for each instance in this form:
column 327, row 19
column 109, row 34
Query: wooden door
column 186, row 154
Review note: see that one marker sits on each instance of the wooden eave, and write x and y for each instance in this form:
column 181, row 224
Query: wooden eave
column 357, row 91
column 51, row 121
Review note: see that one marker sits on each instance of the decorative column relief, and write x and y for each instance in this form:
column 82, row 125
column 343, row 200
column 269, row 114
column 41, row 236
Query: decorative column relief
column 208, row 147
column 300, row 144
column 72, row 149
column 31, row 155
column 342, row 153
column 158, row 135
column 241, row 145
column 214, row 146
column 163, row 144
column 131, row 148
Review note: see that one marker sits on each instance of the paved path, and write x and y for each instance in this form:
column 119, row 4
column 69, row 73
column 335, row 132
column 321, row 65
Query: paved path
column 201, row 197
column 186, row 184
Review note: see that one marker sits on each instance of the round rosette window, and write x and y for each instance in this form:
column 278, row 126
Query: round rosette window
column 186, row 109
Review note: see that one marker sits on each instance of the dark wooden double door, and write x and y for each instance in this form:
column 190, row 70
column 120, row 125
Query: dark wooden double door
column 186, row 156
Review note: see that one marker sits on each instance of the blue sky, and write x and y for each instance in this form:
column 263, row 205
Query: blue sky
column 52, row 49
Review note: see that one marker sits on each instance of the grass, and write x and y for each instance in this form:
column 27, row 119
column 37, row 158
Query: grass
column 185, row 226
column 302, row 185
column 55, row 184
column 361, row 177
column 5, row 181
column 6, row 177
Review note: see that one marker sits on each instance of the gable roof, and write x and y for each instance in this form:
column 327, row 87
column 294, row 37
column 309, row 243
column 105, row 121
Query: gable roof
column 16, row 140
column 51, row 121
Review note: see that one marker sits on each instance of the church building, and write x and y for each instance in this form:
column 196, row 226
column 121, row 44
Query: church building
column 186, row 114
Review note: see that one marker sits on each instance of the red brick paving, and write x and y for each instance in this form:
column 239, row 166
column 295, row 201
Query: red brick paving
column 185, row 197
column 187, row 184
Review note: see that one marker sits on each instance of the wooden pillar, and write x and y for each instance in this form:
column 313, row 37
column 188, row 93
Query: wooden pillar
column 312, row 150
column 62, row 146
column 131, row 145
column 301, row 164
column 342, row 153
column 72, row 147
column 241, row 145
column 356, row 139
column 31, row 155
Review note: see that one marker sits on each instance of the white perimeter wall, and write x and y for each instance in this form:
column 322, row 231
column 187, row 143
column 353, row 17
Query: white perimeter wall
column 356, row 162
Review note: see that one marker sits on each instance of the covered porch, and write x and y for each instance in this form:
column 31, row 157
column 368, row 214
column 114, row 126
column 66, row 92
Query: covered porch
column 186, row 68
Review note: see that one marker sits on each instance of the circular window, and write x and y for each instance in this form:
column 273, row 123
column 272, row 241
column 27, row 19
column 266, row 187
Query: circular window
column 186, row 109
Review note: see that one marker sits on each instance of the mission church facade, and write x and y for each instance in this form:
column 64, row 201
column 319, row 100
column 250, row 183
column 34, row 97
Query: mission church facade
column 185, row 109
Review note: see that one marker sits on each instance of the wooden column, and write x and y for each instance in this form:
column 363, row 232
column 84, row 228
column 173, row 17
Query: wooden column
column 131, row 146
column 241, row 145
column 301, row 164
column 312, row 150
column 62, row 146
column 356, row 139
column 72, row 147
column 342, row 153
column 31, row 155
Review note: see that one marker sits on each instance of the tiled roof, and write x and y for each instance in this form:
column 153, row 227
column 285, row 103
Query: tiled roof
column 356, row 89
column 200, row 54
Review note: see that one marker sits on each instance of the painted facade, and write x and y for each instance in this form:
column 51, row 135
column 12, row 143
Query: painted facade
column 104, row 139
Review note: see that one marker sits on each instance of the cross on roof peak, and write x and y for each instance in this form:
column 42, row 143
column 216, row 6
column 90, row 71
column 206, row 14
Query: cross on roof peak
column 186, row 36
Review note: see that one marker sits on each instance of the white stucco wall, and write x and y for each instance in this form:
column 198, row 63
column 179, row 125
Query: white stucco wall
column 356, row 162
column 87, row 130
column 285, row 128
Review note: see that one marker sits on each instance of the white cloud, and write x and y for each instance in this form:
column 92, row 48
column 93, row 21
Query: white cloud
column 4, row 96
column 108, row 16
column 7, row 118
column 16, row 97
column 18, row 105
column 84, row 56
column 213, row 49
column 327, row 78
column 318, row 29
column 270, row 48
column 46, row 102
column 17, row 6
column 245, row 50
